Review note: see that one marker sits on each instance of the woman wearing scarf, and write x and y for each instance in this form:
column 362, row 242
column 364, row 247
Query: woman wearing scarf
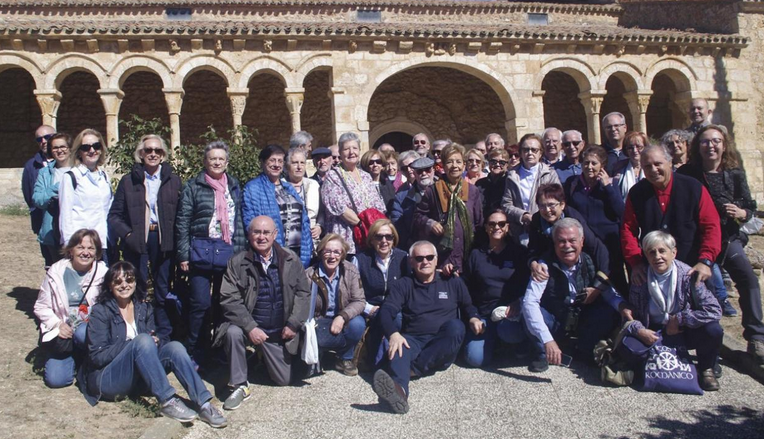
column 210, row 207
column 669, row 302
column 628, row 172
column 450, row 212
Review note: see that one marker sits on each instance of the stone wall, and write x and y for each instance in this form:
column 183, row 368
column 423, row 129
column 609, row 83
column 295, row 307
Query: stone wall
column 19, row 117
column 10, row 187
column 717, row 16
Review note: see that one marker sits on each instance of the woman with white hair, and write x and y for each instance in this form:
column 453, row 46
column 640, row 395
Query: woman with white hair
column 142, row 216
column 670, row 303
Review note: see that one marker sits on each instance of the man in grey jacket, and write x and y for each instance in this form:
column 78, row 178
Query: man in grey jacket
column 265, row 300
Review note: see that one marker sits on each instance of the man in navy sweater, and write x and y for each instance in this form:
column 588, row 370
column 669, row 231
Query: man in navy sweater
column 432, row 331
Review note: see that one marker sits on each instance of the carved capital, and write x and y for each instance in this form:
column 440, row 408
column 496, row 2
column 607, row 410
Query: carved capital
column 238, row 99
column 174, row 99
column 294, row 101
column 112, row 100
column 592, row 102
column 49, row 100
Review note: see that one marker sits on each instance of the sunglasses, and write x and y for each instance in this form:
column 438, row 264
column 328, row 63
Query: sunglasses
column 576, row 143
column 375, row 162
column 424, row 171
column 384, row 237
column 420, row 142
column 423, row 257
column 157, row 151
column 128, row 279
column 45, row 138
column 531, row 150
column 514, row 155
column 335, row 157
column 498, row 162
column 474, row 160
column 96, row 146
column 499, row 224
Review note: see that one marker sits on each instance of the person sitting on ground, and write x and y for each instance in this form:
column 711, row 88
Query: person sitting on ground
column 264, row 301
column 125, row 358
column 496, row 275
column 431, row 334
column 340, row 302
column 575, row 300
column 69, row 289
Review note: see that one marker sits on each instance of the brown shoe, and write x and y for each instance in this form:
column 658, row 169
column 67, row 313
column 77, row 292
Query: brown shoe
column 347, row 367
column 708, row 380
column 390, row 392
column 756, row 350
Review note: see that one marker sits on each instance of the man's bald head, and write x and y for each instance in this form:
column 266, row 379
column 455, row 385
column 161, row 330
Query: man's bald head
column 261, row 234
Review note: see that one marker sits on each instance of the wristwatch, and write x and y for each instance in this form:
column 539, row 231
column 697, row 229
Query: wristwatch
column 706, row 262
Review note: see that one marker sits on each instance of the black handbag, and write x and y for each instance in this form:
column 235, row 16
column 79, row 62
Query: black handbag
column 210, row 253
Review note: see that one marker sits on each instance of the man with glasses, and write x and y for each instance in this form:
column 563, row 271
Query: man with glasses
column 406, row 200
column 552, row 145
column 29, row 177
column 322, row 160
column 570, row 165
column 432, row 332
column 421, row 144
column 265, row 300
column 614, row 126
column 700, row 115
column 336, row 159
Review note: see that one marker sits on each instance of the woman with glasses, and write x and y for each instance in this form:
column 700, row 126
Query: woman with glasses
column 514, row 155
column 627, row 173
column 492, row 186
column 126, row 358
column 496, row 276
column 142, row 216
column 340, row 302
column 45, row 195
column 84, row 196
column 678, row 142
column 374, row 163
column 475, row 166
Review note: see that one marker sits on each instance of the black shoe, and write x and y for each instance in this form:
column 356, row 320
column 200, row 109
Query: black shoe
column 390, row 392
column 756, row 350
column 708, row 381
column 539, row 365
column 346, row 367
column 717, row 370
column 727, row 309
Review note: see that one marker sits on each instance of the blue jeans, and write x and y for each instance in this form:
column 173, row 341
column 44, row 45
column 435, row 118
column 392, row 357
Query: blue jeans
column 376, row 342
column 343, row 343
column 478, row 349
column 200, row 301
column 141, row 364
column 717, row 284
column 60, row 371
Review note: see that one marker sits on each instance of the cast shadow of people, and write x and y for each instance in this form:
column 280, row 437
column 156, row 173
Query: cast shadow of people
column 25, row 298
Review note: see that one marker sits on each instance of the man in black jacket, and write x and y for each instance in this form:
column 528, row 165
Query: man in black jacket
column 432, row 331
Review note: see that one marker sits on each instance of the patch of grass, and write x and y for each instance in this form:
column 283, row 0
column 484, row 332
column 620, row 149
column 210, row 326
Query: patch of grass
column 14, row 210
column 139, row 408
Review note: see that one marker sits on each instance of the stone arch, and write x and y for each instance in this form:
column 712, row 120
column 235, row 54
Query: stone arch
column 205, row 62
column 58, row 70
column 307, row 65
column 628, row 73
column 268, row 64
column 401, row 125
column 616, row 87
column 582, row 72
column 19, row 116
column 12, row 61
column 205, row 103
column 562, row 106
column 81, row 105
column 139, row 63
column 683, row 76
column 266, row 109
column 665, row 110
column 143, row 96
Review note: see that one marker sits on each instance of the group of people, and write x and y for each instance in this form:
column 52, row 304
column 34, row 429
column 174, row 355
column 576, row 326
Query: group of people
column 401, row 260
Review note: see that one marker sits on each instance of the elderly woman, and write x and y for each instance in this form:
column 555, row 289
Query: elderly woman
column 668, row 303
column 340, row 302
column 391, row 169
column 270, row 195
column 450, row 212
column 209, row 216
column 492, row 187
column 475, row 166
column 70, row 287
column 627, row 173
column 143, row 217
column 715, row 162
column 308, row 189
column 374, row 163
column 84, row 196
column 677, row 141
column 124, row 356
column 519, row 201
column 514, row 155
column 496, row 276
column 45, row 195
column 348, row 191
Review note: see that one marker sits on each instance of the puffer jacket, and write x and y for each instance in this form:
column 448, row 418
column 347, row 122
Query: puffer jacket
column 197, row 205
column 351, row 300
column 45, row 197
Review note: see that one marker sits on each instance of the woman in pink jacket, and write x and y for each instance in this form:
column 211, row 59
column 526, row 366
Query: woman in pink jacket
column 70, row 287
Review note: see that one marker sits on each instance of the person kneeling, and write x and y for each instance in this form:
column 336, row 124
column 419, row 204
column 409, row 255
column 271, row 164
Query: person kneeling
column 264, row 300
column 575, row 300
column 125, row 358
column 431, row 334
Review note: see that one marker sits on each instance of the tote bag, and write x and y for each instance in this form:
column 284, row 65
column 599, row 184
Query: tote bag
column 309, row 352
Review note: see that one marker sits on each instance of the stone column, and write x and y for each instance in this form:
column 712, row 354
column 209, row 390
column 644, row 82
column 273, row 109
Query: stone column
column 592, row 102
column 638, row 101
column 112, row 100
column 340, row 112
column 48, row 100
column 238, row 103
column 294, row 98
column 174, row 99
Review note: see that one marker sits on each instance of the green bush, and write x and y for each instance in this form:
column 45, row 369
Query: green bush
column 131, row 131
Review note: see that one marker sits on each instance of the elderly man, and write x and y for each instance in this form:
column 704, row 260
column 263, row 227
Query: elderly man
column 432, row 332
column 493, row 141
column 614, row 126
column 700, row 115
column 552, row 138
column 29, row 177
column 437, row 148
column 265, row 300
column 421, row 144
column 676, row 204
column 574, row 300
column 406, row 200
column 386, row 148
column 322, row 161
column 570, row 165
column 336, row 159
column 304, row 140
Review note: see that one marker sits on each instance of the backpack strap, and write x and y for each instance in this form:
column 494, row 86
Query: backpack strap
column 74, row 179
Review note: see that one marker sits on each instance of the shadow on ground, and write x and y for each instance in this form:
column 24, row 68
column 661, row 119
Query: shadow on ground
column 25, row 298
column 722, row 422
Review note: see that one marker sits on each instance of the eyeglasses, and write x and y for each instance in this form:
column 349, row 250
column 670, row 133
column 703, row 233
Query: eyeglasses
column 634, row 147
column 384, row 237
column 421, row 258
column 573, row 143
column 499, row 224
column 716, row 141
column 59, row 147
column 615, row 127
column 474, row 160
column 157, row 151
column 375, row 162
column 329, row 252
column 498, row 163
column 336, row 158
column 549, row 206
column 96, row 146
column 262, row 232
column 119, row 281
column 45, row 138
column 531, row 150
column 420, row 142
column 514, row 155
column 424, row 171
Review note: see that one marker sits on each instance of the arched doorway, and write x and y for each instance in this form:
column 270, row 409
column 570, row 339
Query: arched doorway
column 400, row 141
column 206, row 103
column 19, row 117
column 144, row 98
column 81, row 106
column 562, row 106
column 267, row 111
column 615, row 100
column 663, row 112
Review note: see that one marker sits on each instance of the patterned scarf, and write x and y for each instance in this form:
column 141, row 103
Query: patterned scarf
column 221, row 205
column 454, row 203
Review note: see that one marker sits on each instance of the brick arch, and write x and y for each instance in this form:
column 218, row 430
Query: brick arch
column 14, row 61
column 683, row 76
column 205, row 62
column 582, row 72
column 628, row 73
column 58, row 70
column 270, row 65
column 139, row 63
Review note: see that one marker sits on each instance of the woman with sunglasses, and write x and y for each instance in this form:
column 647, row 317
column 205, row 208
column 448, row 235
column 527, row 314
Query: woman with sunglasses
column 496, row 276
column 628, row 172
column 45, row 195
column 85, row 192
column 125, row 357
column 379, row 265
column 339, row 302
column 492, row 187
column 143, row 217
column 373, row 162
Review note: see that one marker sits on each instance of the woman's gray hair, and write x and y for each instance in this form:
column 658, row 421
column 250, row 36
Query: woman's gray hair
column 660, row 147
column 142, row 142
column 293, row 151
column 217, row 144
column 348, row 137
column 682, row 134
column 656, row 237
column 300, row 139
column 405, row 155
column 567, row 223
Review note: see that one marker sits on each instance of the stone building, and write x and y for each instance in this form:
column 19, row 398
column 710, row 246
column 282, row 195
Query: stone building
column 383, row 68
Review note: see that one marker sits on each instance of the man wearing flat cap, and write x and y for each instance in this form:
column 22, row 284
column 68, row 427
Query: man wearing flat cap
column 404, row 205
column 322, row 160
